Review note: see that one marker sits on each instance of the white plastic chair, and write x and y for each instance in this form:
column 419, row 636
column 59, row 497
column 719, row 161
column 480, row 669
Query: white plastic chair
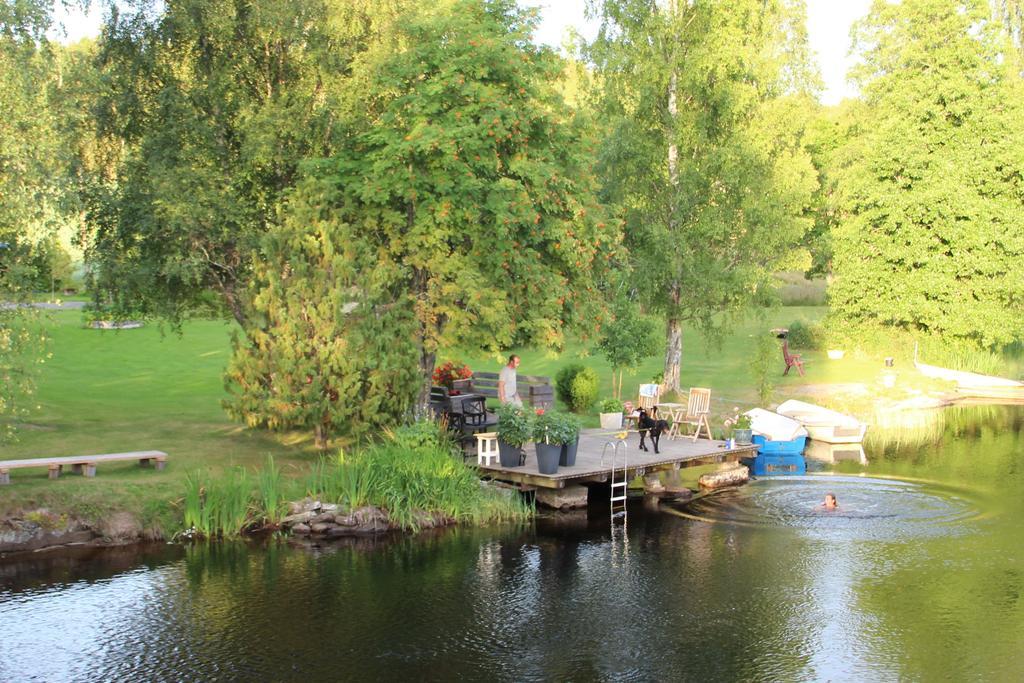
column 486, row 448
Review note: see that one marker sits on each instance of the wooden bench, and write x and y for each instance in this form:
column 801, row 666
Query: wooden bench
column 81, row 464
column 535, row 391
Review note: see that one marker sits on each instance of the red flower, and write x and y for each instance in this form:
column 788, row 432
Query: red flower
column 540, row 411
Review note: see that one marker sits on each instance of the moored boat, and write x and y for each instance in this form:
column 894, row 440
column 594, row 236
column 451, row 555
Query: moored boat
column 780, row 442
column 823, row 424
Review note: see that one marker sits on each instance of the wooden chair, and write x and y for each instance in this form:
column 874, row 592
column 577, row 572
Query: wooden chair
column 792, row 359
column 698, row 408
column 649, row 396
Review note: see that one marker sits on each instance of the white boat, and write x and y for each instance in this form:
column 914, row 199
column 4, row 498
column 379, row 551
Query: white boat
column 774, row 427
column 973, row 384
column 823, row 424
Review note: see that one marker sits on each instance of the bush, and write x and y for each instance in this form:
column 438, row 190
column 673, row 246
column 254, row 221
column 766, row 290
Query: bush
column 563, row 381
column 806, row 335
column 583, row 391
column 422, row 435
column 610, row 405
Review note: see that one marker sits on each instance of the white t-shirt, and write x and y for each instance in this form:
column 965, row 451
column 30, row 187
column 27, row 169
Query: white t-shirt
column 508, row 376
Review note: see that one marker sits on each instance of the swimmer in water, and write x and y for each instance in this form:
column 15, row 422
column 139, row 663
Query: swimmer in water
column 830, row 501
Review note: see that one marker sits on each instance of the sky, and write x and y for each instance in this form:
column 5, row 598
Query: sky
column 828, row 27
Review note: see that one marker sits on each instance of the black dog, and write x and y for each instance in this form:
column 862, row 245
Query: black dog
column 650, row 425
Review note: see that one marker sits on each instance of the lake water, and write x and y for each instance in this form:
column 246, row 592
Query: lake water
column 919, row 575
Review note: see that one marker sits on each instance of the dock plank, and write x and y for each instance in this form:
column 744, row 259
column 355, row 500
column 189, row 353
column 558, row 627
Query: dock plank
column 675, row 453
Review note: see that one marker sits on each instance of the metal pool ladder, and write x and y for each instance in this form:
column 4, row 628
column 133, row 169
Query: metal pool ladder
column 618, row 487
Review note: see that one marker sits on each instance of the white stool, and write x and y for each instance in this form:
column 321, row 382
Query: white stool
column 486, row 448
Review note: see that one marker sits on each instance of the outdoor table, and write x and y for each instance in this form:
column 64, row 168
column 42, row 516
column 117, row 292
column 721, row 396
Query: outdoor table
column 457, row 400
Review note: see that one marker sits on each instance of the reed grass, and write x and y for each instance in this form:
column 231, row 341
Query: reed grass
column 411, row 481
column 270, row 493
column 218, row 506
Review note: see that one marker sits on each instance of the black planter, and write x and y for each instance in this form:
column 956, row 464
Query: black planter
column 743, row 436
column 568, row 456
column 547, row 457
column 509, row 455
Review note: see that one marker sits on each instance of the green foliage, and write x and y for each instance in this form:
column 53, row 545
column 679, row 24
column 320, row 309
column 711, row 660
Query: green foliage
column 270, row 487
column 707, row 105
column 563, row 381
column 218, row 506
column 214, row 106
column 930, row 178
column 423, row 434
column 553, row 427
column 610, row 405
column 583, row 390
column 408, row 483
column 627, row 339
column 763, row 367
column 803, row 335
column 515, row 425
column 467, row 186
column 328, row 355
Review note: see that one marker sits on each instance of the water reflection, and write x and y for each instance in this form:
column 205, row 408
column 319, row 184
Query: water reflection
column 918, row 575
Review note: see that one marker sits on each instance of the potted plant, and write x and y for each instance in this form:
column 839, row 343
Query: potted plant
column 610, row 413
column 741, row 432
column 551, row 431
column 454, row 375
column 572, row 435
column 514, row 429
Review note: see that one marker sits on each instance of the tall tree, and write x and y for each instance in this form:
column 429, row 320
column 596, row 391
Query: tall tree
column 472, row 185
column 707, row 103
column 29, row 194
column 216, row 103
column 933, row 233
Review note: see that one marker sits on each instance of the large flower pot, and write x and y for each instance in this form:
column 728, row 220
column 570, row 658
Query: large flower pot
column 568, row 457
column 509, row 455
column 742, row 436
column 547, row 457
column 610, row 420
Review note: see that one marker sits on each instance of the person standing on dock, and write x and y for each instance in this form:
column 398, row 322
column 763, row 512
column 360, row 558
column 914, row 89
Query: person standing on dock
column 508, row 390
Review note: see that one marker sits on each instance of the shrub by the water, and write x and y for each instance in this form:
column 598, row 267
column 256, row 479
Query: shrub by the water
column 411, row 473
column 404, row 482
column 583, row 390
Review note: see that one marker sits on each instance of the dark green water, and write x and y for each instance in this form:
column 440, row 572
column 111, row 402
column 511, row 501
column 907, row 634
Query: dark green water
column 918, row 575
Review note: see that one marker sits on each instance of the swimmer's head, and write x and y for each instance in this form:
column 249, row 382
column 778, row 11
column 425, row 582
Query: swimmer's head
column 830, row 500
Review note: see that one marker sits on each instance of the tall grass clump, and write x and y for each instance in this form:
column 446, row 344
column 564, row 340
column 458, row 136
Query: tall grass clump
column 218, row 506
column 410, row 477
column 270, row 493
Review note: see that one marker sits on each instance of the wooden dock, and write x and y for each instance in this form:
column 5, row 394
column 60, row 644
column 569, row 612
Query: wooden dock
column 675, row 454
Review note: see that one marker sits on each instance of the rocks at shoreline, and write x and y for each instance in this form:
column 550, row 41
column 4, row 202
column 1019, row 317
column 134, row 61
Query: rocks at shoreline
column 313, row 518
column 40, row 529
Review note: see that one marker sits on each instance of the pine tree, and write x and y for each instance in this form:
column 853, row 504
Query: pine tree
column 325, row 353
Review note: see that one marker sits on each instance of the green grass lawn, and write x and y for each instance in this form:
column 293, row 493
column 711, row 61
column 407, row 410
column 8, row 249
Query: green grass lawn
column 111, row 391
